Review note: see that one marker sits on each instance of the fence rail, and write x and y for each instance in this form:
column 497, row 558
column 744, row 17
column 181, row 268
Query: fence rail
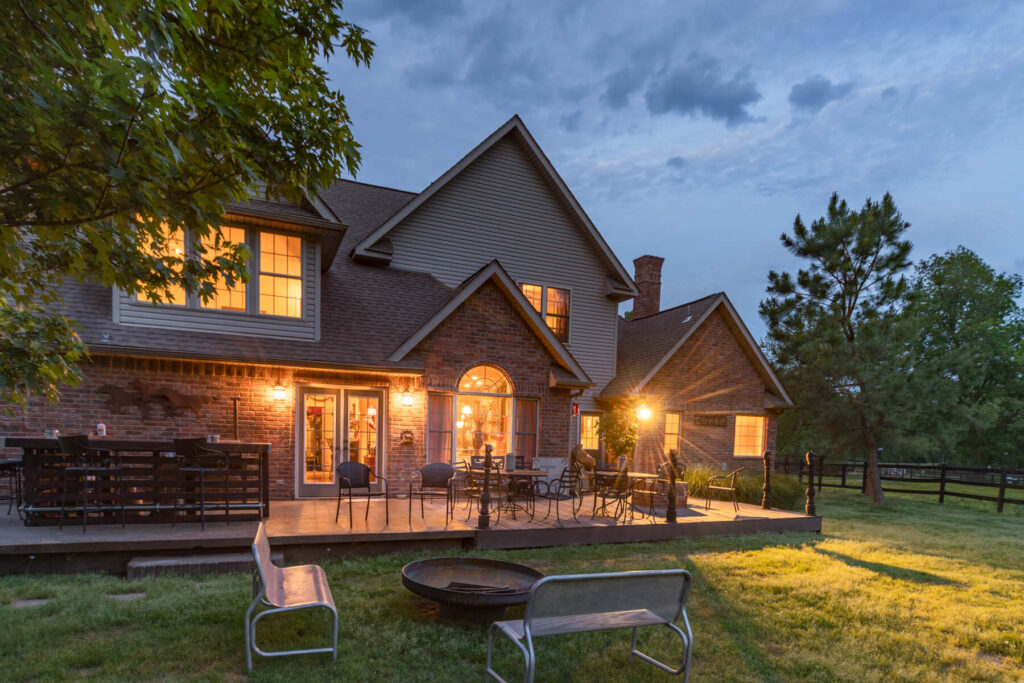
column 852, row 475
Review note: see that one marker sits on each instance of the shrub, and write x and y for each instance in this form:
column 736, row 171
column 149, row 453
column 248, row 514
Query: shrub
column 787, row 491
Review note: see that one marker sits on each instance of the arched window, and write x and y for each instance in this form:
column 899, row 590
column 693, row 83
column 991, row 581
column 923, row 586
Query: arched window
column 486, row 411
column 483, row 412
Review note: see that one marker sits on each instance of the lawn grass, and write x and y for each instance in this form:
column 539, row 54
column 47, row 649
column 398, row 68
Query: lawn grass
column 907, row 592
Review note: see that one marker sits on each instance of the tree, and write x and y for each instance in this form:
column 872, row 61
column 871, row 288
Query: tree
column 619, row 428
column 123, row 118
column 968, row 367
column 833, row 328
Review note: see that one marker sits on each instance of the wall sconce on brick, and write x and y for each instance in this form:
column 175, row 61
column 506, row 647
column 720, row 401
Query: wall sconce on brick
column 406, row 398
column 279, row 392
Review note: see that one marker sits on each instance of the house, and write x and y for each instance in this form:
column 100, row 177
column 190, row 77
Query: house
column 399, row 329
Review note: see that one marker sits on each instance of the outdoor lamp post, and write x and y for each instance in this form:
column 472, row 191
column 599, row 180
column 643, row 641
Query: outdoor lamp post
column 485, row 495
column 809, row 508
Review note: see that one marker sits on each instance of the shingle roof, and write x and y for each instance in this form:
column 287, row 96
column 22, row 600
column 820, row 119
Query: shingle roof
column 644, row 342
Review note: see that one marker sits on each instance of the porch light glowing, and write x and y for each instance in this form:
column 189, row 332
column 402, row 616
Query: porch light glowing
column 279, row 392
column 407, row 398
column 643, row 412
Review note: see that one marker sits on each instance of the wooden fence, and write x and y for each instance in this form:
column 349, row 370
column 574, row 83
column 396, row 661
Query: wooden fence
column 852, row 475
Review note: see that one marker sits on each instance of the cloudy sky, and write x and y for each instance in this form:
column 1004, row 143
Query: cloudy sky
column 697, row 130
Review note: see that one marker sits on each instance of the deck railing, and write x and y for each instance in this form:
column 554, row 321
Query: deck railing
column 148, row 485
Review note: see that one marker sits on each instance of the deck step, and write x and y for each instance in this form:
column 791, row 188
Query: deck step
column 194, row 565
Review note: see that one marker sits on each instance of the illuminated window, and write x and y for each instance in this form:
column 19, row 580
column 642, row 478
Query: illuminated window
column 535, row 295
column 673, row 424
column 589, row 437
column 280, row 275
column 226, row 298
column 553, row 304
column 172, row 253
column 750, row 433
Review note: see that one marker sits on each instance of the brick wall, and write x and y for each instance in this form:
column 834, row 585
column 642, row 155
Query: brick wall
column 487, row 328
column 709, row 374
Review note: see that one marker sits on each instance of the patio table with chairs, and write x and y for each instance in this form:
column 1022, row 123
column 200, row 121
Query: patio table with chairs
column 129, row 481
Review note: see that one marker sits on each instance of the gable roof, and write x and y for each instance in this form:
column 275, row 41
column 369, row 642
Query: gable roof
column 646, row 344
column 373, row 247
column 493, row 272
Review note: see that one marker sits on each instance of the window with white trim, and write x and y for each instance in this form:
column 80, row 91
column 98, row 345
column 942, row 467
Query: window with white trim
column 553, row 304
column 750, row 436
column 277, row 265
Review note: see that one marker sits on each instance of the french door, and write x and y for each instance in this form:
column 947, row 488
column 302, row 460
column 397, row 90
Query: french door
column 335, row 425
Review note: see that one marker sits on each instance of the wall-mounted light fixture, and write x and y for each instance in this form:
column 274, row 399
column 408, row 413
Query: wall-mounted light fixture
column 643, row 412
column 406, row 398
column 279, row 392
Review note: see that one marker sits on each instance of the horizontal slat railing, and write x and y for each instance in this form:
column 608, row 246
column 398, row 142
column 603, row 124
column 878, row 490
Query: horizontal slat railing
column 149, row 485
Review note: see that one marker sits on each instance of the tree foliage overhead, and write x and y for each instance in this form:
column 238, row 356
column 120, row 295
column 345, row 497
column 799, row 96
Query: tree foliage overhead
column 832, row 328
column 121, row 117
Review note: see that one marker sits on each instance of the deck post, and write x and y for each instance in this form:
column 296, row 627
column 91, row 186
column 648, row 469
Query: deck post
column 1002, row 491
column 842, row 474
column 766, row 491
column 809, row 508
column 670, row 510
column 485, row 495
column 821, row 470
column 942, row 483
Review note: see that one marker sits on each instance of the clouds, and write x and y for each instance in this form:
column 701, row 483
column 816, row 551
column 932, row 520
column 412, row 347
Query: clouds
column 817, row 91
column 700, row 87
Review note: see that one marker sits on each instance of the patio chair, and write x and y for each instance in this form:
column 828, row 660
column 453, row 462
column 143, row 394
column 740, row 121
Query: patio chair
column 566, row 487
column 355, row 475
column 285, row 589
column 473, row 487
column 437, row 480
column 615, row 491
column 90, row 465
column 725, row 483
column 196, row 461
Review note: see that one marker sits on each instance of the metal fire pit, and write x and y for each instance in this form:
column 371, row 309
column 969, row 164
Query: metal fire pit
column 468, row 588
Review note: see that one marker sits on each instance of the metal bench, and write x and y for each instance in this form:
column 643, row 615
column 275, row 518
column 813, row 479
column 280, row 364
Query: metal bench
column 284, row 589
column 597, row 602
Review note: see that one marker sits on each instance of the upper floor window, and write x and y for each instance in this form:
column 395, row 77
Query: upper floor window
column 553, row 304
column 280, row 275
column 226, row 298
column 750, row 434
column 173, row 248
column 278, row 289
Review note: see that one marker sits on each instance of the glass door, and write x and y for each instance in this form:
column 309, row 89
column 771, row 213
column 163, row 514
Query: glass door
column 319, row 447
column 364, row 424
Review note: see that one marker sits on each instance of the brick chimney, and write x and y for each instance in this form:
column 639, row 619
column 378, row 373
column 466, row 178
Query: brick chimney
column 648, row 282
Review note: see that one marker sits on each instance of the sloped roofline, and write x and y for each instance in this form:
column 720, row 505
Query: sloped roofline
column 723, row 301
column 493, row 272
column 364, row 249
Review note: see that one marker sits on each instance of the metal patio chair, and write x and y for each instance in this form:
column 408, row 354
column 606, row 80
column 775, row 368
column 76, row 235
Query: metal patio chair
column 285, row 589
column 615, row 491
column 437, row 480
column 355, row 475
column 726, row 483
column 196, row 461
column 564, row 488
column 99, row 467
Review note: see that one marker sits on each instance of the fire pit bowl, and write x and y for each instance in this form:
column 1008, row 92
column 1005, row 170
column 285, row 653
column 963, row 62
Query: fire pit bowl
column 468, row 588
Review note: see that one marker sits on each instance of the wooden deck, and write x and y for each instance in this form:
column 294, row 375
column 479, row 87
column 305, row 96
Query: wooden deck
column 305, row 531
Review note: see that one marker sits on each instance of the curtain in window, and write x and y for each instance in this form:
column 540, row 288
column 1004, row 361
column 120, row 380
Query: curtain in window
column 526, row 429
column 439, row 428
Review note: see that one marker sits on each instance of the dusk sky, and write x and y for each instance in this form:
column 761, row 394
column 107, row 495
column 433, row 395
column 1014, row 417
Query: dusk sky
column 698, row 130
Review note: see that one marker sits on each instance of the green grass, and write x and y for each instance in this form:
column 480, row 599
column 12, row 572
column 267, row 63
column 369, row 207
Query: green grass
column 907, row 592
column 932, row 496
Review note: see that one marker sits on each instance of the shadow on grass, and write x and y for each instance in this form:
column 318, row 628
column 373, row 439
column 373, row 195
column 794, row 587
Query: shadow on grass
column 899, row 573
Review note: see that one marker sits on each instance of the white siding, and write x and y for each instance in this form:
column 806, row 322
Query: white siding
column 144, row 314
column 500, row 208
